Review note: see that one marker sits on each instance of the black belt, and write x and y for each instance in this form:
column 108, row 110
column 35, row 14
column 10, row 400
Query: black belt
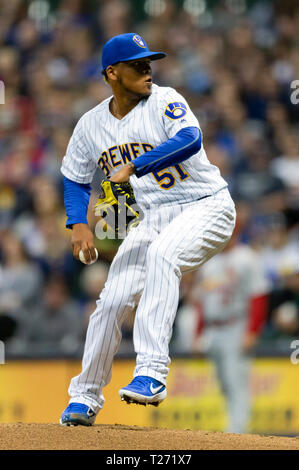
column 228, row 321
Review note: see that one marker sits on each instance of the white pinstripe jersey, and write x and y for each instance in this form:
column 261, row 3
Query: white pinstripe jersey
column 101, row 140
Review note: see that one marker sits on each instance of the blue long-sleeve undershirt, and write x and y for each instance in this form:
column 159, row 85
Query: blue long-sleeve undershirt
column 173, row 151
column 76, row 200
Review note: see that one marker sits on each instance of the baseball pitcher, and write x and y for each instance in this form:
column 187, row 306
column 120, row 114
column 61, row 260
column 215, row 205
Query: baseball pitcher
column 145, row 136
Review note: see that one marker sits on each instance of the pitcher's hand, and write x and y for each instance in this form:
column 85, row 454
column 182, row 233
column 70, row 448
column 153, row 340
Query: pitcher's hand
column 123, row 175
column 83, row 239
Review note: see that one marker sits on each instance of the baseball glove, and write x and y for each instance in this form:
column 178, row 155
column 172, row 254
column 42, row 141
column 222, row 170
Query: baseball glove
column 117, row 207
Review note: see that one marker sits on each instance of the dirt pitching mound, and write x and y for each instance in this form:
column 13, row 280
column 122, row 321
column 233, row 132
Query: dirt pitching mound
column 34, row 436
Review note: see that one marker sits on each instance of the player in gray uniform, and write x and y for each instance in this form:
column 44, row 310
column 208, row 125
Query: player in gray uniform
column 233, row 294
column 146, row 134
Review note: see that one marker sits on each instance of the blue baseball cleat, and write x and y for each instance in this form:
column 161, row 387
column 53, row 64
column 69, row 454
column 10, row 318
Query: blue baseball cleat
column 143, row 390
column 77, row 413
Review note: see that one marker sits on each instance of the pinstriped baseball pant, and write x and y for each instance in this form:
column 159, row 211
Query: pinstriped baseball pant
column 146, row 274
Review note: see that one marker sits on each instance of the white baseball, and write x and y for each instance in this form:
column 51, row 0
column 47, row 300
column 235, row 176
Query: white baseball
column 83, row 260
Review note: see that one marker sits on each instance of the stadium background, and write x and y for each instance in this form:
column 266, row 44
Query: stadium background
column 234, row 61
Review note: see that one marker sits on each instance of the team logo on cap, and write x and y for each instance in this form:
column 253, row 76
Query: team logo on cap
column 139, row 41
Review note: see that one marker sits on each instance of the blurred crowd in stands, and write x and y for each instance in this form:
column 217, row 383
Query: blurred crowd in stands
column 234, row 62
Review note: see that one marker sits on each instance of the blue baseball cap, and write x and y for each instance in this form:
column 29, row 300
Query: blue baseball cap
column 125, row 47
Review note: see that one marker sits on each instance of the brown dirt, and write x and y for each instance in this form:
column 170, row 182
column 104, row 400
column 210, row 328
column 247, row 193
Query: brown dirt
column 34, row 436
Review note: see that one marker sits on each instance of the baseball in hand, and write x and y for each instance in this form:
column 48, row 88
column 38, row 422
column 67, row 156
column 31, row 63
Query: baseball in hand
column 83, row 260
